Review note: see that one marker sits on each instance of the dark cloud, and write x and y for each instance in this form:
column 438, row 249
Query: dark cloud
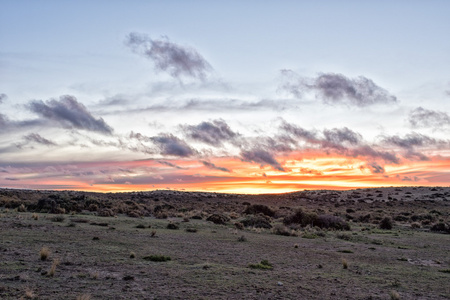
column 166, row 163
column 169, row 57
column 36, row 138
column 421, row 117
column 262, row 157
column 369, row 152
column 213, row 133
column 214, row 167
column 171, row 145
column 69, row 113
column 3, row 97
column 375, row 168
column 342, row 135
column 303, row 134
column 3, row 121
column 334, row 88
column 411, row 140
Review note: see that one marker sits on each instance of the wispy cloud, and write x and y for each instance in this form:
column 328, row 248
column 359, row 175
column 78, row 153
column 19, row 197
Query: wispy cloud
column 169, row 57
column 69, row 113
column 3, row 97
column 421, row 117
column 262, row 157
column 332, row 88
column 214, row 167
column 37, row 138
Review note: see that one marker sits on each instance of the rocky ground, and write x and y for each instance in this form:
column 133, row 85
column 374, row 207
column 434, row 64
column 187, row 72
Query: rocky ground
column 389, row 243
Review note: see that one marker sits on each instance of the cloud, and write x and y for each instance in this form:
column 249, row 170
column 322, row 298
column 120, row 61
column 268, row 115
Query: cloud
column 169, row 57
column 35, row 137
column 69, row 113
column 262, row 157
column 411, row 140
column 3, row 97
column 342, row 135
column 171, row 145
column 214, row 167
column 375, row 168
column 334, row 88
column 421, row 117
column 170, row 164
column 213, row 133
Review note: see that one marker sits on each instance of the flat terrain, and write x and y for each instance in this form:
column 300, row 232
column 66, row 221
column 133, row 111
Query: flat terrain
column 101, row 245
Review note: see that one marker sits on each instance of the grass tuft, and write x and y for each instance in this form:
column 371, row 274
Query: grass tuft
column 44, row 253
column 263, row 265
column 344, row 264
column 52, row 270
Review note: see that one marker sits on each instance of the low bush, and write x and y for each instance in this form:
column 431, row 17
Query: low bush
column 157, row 258
column 312, row 219
column 386, row 223
column 258, row 221
column 259, row 209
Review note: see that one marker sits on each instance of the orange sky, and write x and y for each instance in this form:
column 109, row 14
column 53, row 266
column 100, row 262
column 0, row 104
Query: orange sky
column 318, row 172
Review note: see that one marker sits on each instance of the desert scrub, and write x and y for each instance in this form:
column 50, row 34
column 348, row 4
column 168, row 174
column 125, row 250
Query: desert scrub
column 386, row 223
column 58, row 219
column 44, row 253
column 157, row 258
column 263, row 265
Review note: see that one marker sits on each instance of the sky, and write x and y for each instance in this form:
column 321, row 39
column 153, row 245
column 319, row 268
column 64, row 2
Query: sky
column 224, row 96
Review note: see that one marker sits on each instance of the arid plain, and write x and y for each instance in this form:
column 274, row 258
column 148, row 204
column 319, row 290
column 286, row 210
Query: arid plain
column 385, row 243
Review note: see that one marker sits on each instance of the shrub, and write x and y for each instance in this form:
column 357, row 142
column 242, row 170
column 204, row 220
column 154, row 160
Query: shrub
column 22, row 208
column 263, row 265
column 441, row 227
column 322, row 221
column 218, row 219
column 191, row 229
column 35, row 216
column 258, row 221
column 259, row 209
column 173, row 226
column 58, row 219
column 281, row 230
column 242, row 238
column 386, row 223
column 157, row 258
column 132, row 254
column 44, row 253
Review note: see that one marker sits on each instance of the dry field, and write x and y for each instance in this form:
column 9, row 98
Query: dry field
column 174, row 245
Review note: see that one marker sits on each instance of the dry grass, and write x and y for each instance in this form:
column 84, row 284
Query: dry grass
column 29, row 294
column 44, row 253
column 35, row 216
column 132, row 254
column 344, row 263
column 394, row 295
column 52, row 270
column 84, row 297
